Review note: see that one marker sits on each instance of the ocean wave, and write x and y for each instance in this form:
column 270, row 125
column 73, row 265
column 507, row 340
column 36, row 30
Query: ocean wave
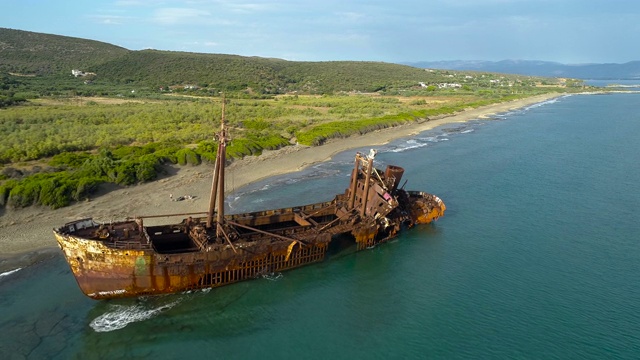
column 408, row 145
column 455, row 129
column 122, row 315
column 9, row 272
column 429, row 139
column 542, row 103
column 238, row 197
column 623, row 86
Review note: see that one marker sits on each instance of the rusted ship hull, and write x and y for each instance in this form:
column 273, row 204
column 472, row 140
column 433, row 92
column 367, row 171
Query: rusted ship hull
column 122, row 265
column 103, row 272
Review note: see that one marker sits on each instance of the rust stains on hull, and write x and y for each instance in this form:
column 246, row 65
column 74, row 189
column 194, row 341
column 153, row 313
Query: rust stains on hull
column 102, row 273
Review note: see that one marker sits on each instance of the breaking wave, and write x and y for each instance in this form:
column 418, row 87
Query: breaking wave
column 9, row 272
column 411, row 144
column 419, row 142
column 120, row 316
column 542, row 103
column 507, row 114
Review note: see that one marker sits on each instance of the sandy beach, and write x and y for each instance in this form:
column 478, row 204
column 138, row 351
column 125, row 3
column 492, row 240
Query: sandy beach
column 25, row 233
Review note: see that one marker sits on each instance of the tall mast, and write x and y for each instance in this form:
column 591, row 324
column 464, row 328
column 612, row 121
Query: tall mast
column 222, row 156
column 218, row 175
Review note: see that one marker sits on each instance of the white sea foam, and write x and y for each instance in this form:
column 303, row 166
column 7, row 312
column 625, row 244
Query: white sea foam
column 9, row 272
column 430, row 139
column 508, row 113
column 542, row 103
column 411, row 144
column 623, row 86
column 292, row 181
column 122, row 315
column 272, row 276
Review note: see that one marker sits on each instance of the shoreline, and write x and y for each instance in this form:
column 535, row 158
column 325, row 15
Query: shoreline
column 26, row 234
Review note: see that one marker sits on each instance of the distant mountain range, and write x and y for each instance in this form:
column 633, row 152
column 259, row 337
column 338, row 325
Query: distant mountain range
column 630, row 70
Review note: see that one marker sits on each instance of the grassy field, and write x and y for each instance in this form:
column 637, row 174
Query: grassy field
column 58, row 150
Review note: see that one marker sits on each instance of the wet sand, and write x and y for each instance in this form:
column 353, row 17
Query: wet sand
column 26, row 234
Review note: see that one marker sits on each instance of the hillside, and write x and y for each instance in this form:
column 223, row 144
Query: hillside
column 261, row 75
column 166, row 68
column 50, row 58
column 26, row 52
column 47, row 56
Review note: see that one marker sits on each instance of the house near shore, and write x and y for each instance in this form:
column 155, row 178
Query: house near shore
column 77, row 73
column 449, row 86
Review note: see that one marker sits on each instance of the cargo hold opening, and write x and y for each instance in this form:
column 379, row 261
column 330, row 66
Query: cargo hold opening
column 167, row 240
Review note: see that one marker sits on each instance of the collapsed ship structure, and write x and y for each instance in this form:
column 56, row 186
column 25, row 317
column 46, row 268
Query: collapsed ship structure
column 210, row 249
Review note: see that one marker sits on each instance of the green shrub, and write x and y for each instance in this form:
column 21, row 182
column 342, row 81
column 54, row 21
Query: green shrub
column 24, row 193
column 5, row 189
column 99, row 166
column 255, row 124
column 54, row 193
column 207, row 150
column 147, row 168
column 122, row 152
column 124, row 173
column 84, row 187
column 338, row 129
column 69, row 159
column 187, row 156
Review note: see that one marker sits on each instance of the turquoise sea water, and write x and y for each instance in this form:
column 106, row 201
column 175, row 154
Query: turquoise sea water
column 537, row 257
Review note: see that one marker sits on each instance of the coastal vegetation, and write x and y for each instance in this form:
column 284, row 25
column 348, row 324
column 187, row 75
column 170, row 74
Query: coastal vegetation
column 132, row 112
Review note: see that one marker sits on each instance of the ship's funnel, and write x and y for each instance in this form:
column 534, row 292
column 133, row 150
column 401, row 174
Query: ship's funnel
column 393, row 173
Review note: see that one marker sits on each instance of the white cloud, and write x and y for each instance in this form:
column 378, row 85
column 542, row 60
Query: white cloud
column 351, row 17
column 245, row 8
column 109, row 19
column 484, row 3
column 139, row 2
column 177, row 16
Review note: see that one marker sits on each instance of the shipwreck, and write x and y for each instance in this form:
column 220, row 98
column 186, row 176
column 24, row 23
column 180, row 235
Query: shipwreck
column 209, row 249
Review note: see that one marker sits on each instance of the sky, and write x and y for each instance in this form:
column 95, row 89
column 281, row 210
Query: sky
column 396, row 31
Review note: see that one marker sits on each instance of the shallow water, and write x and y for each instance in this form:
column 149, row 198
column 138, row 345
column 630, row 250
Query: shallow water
column 536, row 257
